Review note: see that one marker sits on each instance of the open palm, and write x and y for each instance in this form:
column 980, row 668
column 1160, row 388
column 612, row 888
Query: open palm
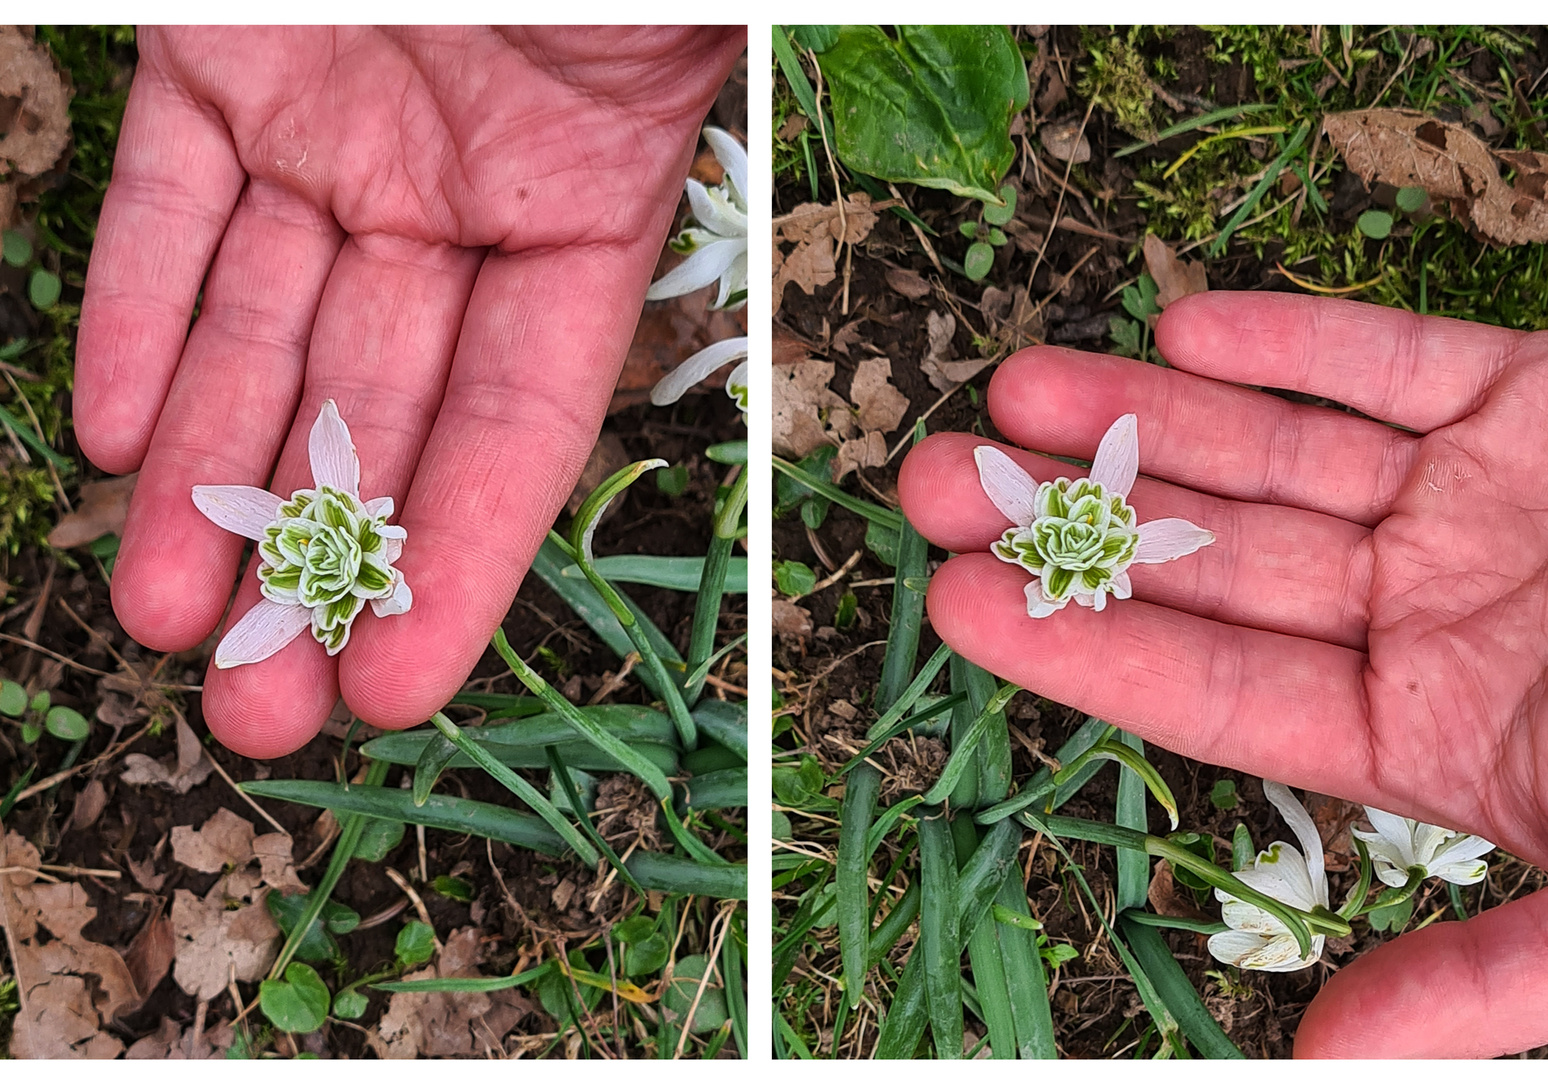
column 449, row 231
column 1372, row 621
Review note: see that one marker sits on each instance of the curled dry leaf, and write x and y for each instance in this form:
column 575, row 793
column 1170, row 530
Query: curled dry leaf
column 908, row 283
column 151, row 953
column 1167, row 898
column 68, row 989
column 89, row 805
column 171, row 1043
column 792, row 623
column 100, row 510
column 881, row 405
column 1175, row 278
column 1065, row 141
column 184, row 773
column 34, row 119
column 813, row 229
column 228, row 930
column 867, row 452
column 449, row 1025
column 224, row 841
column 1409, row 149
column 944, row 373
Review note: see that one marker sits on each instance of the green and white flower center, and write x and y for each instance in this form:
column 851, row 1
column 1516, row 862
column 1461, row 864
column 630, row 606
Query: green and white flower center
column 1081, row 537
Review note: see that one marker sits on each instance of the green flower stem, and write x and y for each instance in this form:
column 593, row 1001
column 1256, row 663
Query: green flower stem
column 1168, row 922
column 729, row 516
column 524, row 791
column 352, row 826
column 1362, row 887
column 712, row 582
column 962, row 754
column 1394, row 897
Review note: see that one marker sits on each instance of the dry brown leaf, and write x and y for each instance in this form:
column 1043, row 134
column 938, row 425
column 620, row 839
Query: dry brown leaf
column 449, row 1025
column 801, row 398
column 813, row 228
column 184, row 773
column 944, row 373
column 151, row 953
column 1409, row 149
column 788, row 348
column 169, row 1043
column 101, row 510
column 144, row 873
column 809, row 266
column 869, row 452
column 1333, row 818
column 36, row 131
column 1175, row 278
column 1065, row 141
column 89, row 805
column 69, row 988
column 229, row 927
column 792, row 622
column 224, row 841
column 908, row 283
column 276, row 863
column 880, row 403
column 1167, row 898
column 1023, row 326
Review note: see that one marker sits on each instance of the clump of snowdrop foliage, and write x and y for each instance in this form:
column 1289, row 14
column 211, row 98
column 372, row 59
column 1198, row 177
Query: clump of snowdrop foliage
column 323, row 552
column 716, row 246
column 1399, row 844
column 1299, row 879
column 1079, row 537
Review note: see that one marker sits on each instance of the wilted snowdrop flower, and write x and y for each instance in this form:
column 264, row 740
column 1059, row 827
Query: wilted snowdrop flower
column 323, row 552
column 1256, row 939
column 716, row 241
column 700, row 366
column 1400, row 843
column 1079, row 536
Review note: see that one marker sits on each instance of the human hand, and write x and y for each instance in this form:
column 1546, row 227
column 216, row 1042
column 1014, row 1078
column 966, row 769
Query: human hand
column 1371, row 622
column 449, row 231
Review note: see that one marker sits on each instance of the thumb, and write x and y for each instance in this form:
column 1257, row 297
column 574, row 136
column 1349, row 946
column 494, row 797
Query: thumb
column 1472, row 989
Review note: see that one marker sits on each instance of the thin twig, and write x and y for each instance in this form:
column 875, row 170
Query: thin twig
column 419, row 905
column 248, row 799
column 724, row 921
column 1059, row 204
column 65, row 660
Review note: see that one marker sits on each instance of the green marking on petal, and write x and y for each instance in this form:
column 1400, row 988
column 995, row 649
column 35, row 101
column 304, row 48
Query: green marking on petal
column 1059, row 581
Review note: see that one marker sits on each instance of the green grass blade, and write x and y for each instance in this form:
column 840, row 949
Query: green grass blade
column 465, row 816
column 486, row 985
column 725, row 722
column 715, row 790
column 520, row 788
column 1133, row 866
column 987, row 960
column 891, row 928
column 1177, row 991
column 1026, row 982
column 561, row 774
column 890, row 519
column 712, row 758
column 887, row 821
column 907, row 612
column 908, row 1014
column 584, row 725
column 994, row 750
column 964, row 756
column 673, row 874
column 915, row 690
column 25, row 433
column 1169, row 922
column 1256, row 194
column 852, row 874
column 963, row 787
column 1041, row 782
column 696, row 848
column 945, row 705
column 1193, row 123
column 799, row 84
column 507, row 705
column 433, row 759
column 939, row 944
column 736, row 989
column 680, row 573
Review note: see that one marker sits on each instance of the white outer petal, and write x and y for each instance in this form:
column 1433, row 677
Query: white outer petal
column 1007, row 484
column 716, row 215
column 1117, row 458
column 701, row 268
column 1165, row 539
column 1461, row 873
column 380, row 508
column 1463, row 848
column 1305, row 830
column 697, row 368
column 732, row 157
column 650, row 465
column 1260, row 952
column 261, row 633
column 400, row 601
column 1396, row 831
column 1121, row 586
column 334, row 461
column 238, row 508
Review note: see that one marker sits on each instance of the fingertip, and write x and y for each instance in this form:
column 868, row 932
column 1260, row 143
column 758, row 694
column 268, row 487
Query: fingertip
column 391, row 676
column 165, row 603
column 941, row 495
column 274, row 707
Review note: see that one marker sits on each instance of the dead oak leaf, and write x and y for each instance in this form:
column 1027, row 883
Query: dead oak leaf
column 944, row 373
column 68, row 988
column 1175, row 278
column 228, row 930
column 801, row 402
column 449, row 1025
column 1410, row 149
column 224, row 841
column 101, row 510
column 881, row 405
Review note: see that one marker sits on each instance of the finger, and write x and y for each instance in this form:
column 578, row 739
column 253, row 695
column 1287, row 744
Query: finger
column 539, row 356
column 1454, row 989
column 1417, row 371
column 176, row 179
column 385, row 334
column 1204, row 434
column 1232, row 696
column 1271, row 567
column 227, row 416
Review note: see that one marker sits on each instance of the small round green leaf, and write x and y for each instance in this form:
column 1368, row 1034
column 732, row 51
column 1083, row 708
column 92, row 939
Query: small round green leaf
column 40, row 702
column 648, row 956
column 298, row 1003
column 996, row 238
column 1410, row 199
column 350, row 1005
column 794, row 578
column 18, row 249
column 1223, row 794
column 13, row 698
column 67, row 724
column 452, row 888
column 30, row 732
column 634, row 930
column 979, row 260
column 679, row 995
column 416, row 943
column 1377, row 224
column 968, row 229
column 43, row 289
column 999, row 215
column 673, row 481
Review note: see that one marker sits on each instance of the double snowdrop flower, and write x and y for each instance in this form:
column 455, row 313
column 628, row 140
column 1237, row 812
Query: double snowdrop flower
column 1079, row 537
column 716, row 245
column 323, row 552
column 1401, row 843
column 1298, row 879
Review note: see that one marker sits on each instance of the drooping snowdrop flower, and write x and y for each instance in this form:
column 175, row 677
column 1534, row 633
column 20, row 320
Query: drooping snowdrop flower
column 323, row 552
column 1256, row 939
column 1400, row 843
column 1079, row 536
column 700, row 366
column 716, row 240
